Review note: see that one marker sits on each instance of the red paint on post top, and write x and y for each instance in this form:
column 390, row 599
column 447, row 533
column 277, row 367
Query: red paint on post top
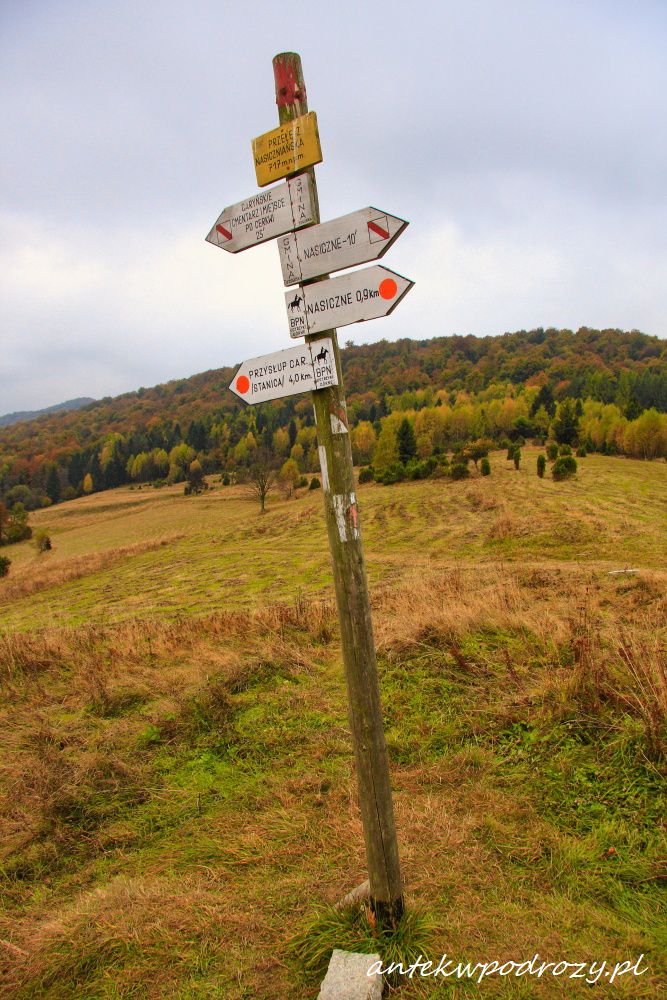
column 242, row 383
column 287, row 87
column 388, row 288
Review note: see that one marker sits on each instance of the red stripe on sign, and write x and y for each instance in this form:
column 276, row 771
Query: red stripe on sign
column 378, row 230
column 226, row 233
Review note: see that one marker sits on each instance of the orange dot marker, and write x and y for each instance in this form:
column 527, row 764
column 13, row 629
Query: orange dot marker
column 388, row 288
column 243, row 383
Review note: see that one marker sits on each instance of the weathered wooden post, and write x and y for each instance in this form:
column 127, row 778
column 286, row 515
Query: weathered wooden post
column 350, row 581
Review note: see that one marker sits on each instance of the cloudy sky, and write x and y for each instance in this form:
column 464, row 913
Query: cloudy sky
column 525, row 141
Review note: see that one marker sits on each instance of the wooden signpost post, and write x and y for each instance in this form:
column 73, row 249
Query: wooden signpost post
column 314, row 309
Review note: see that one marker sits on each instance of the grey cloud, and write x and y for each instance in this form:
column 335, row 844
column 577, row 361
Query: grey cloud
column 532, row 131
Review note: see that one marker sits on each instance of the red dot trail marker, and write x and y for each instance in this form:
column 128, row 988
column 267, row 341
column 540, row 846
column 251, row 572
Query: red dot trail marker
column 264, row 216
column 286, row 373
column 369, row 293
column 352, row 239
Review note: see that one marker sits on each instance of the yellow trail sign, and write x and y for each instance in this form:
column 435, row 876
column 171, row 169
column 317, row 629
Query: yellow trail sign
column 294, row 146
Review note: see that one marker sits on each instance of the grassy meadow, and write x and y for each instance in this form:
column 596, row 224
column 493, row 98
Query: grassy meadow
column 178, row 804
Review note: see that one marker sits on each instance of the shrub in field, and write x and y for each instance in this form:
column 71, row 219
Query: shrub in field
column 289, row 477
column 366, row 475
column 422, row 470
column 440, row 472
column 541, row 465
column 394, row 473
column 303, row 482
column 14, row 526
column 478, row 449
column 581, row 451
column 517, row 457
column 564, row 467
column 552, row 451
column 196, row 482
column 510, row 452
column 42, row 541
column 226, row 479
column 485, row 467
column 565, row 450
column 314, row 484
column 5, row 563
column 459, row 470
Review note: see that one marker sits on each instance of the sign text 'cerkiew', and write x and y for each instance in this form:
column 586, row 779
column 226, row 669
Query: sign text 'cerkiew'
column 264, row 216
column 287, row 149
column 351, row 298
column 344, row 242
column 284, row 373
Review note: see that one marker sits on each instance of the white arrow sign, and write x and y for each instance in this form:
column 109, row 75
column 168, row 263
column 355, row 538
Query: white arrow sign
column 264, row 216
column 284, row 373
column 352, row 239
column 366, row 294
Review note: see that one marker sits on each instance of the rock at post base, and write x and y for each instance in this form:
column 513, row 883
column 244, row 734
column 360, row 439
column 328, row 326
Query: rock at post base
column 346, row 978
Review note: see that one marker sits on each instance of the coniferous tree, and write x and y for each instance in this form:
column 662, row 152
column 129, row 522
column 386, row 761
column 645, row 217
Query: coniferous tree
column 566, row 423
column 52, row 486
column 407, row 445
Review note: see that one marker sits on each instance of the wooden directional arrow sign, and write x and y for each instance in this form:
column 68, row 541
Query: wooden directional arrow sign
column 344, row 242
column 284, row 373
column 264, row 216
column 366, row 294
column 284, row 150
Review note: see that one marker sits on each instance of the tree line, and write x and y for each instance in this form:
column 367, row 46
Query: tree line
column 608, row 388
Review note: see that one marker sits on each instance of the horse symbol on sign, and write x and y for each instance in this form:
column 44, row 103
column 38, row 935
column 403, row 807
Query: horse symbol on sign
column 296, row 302
column 322, row 356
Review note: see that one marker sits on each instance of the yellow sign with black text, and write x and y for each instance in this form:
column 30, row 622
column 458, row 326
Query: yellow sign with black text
column 285, row 150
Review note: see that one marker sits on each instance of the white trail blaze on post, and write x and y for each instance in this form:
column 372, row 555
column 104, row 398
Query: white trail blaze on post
column 264, row 216
column 344, row 242
column 352, row 298
column 286, row 373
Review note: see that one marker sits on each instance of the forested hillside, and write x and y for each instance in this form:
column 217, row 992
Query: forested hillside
column 495, row 388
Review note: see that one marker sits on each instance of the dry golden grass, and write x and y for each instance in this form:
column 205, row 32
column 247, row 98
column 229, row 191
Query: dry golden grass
column 45, row 572
column 176, row 794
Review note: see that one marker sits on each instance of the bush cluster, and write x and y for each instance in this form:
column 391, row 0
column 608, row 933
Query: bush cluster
column 564, row 467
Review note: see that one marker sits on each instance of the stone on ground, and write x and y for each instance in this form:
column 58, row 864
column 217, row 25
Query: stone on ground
column 346, row 978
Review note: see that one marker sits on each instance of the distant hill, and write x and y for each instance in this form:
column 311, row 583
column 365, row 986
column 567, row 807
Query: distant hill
column 70, row 404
